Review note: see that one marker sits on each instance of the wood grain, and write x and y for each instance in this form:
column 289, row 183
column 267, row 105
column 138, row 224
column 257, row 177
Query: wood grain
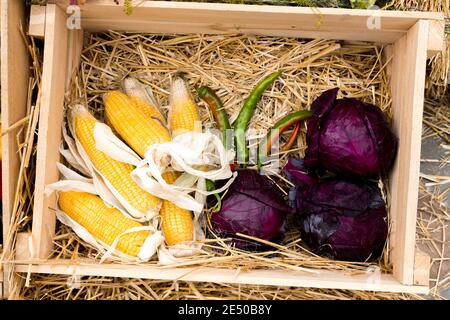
column 422, row 266
column 14, row 84
column 217, row 18
column 331, row 280
column 50, row 120
column 36, row 27
column 407, row 87
column 436, row 38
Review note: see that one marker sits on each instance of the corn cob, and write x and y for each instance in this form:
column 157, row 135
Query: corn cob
column 143, row 97
column 177, row 223
column 117, row 173
column 183, row 112
column 104, row 223
column 133, row 126
column 148, row 110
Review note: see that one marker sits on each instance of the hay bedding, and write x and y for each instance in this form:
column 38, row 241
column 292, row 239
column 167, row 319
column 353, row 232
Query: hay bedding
column 56, row 287
column 232, row 65
column 438, row 78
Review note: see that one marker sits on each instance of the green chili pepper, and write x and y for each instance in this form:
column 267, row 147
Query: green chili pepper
column 211, row 186
column 240, row 125
column 278, row 129
column 216, row 106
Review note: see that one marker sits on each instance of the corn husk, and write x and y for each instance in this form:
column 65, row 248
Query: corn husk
column 184, row 153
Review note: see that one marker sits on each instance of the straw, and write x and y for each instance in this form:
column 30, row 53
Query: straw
column 232, row 65
column 89, row 288
column 439, row 67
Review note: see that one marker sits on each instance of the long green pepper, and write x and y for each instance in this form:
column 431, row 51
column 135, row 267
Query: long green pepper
column 241, row 123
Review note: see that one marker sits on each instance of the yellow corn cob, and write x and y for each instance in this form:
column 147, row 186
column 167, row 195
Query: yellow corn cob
column 146, row 102
column 177, row 223
column 116, row 172
column 132, row 125
column 148, row 110
column 183, row 112
column 104, row 223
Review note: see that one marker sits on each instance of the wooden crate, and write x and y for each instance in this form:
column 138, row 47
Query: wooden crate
column 411, row 36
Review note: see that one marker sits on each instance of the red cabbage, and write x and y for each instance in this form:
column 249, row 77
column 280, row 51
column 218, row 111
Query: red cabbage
column 349, row 137
column 340, row 219
column 252, row 206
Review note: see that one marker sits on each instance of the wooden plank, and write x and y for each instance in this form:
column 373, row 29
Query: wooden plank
column 392, row 17
column 173, row 27
column 22, row 247
column 181, row 17
column 407, row 86
column 74, row 54
column 422, row 266
column 36, row 27
column 436, row 38
column 14, row 84
column 52, row 102
column 333, row 280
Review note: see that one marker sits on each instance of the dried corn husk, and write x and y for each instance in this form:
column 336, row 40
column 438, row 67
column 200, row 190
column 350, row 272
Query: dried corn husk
column 184, row 153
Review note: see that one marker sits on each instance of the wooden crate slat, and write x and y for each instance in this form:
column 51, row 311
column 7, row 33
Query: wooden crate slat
column 14, row 87
column 51, row 116
column 333, row 280
column 216, row 18
column 408, row 89
column 37, row 21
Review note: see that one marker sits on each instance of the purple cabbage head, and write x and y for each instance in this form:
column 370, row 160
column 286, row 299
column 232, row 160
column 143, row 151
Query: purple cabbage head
column 252, row 206
column 340, row 219
column 349, row 137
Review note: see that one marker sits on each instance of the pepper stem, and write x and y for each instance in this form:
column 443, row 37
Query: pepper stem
column 277, row 130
